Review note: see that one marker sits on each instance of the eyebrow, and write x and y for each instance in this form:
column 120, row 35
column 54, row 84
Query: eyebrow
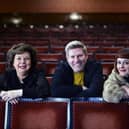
column 123, row 60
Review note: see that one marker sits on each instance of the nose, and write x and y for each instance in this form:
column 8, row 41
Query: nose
column 23, row 60
column 122, row 64
column 76, row 58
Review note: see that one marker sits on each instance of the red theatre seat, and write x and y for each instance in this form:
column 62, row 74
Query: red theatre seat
column 107, row 67
column 100, row 115
column 49, row 56
column 2, row 56
column 2, row 113
column 39, row 115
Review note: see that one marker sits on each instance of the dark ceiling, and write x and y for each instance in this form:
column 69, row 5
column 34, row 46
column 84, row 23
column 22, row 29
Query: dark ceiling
column 63, row 18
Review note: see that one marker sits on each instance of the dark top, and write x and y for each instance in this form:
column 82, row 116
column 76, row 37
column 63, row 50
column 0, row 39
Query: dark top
column 34, row 85
column 62, row 83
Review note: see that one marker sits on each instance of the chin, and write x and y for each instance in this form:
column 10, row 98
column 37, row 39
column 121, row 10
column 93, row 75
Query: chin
column 124, row 74
column 77, row 70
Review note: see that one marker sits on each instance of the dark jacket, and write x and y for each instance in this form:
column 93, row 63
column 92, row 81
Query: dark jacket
column 62, row 83
column 35, row 84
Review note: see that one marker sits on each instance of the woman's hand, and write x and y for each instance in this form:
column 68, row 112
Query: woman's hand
column 11, row 95
column 126, row 89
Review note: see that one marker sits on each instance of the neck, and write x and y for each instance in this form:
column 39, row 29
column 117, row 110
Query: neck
column 21, row 76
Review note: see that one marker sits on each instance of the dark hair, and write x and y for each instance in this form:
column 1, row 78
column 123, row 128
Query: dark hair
column 123, row 53
column 19, row 49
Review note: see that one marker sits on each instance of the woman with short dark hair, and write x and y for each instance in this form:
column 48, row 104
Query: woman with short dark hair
column 22, row 79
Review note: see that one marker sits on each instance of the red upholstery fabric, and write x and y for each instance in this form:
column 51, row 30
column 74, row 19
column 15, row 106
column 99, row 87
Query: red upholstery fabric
column 2, row 113
column 90, row 115
column 39, row 115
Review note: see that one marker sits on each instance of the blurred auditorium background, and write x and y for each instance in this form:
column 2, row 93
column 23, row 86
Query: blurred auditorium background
column 49, row 24
column 103, row 25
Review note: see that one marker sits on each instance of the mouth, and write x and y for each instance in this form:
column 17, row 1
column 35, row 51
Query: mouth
column 122, row 70
column 77, row 64
column 22, row 67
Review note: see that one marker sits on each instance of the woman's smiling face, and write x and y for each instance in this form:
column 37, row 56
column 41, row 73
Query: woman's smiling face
column 22, row 62
column 123, row 66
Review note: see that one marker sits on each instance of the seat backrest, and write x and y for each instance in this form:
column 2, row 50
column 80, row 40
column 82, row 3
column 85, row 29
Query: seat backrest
column 38, row 115
column 100, row 115
column 2, row 113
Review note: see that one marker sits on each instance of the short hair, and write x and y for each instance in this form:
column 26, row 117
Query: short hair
column 75, row 44
column 19, row 49
column 122, row 53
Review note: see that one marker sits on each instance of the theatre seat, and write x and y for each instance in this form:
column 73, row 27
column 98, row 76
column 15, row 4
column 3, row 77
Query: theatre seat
column 107, row 68
column 2, row 113
column 2, row 56
column 100, row 115
column 46, row 114
column 49, row 56
column 2, row 66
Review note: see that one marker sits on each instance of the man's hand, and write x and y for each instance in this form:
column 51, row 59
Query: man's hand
column 84, row 87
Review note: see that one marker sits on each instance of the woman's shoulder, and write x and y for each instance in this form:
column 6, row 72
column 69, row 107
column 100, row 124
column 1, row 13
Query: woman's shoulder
column 7, row 74
column 114, row 75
